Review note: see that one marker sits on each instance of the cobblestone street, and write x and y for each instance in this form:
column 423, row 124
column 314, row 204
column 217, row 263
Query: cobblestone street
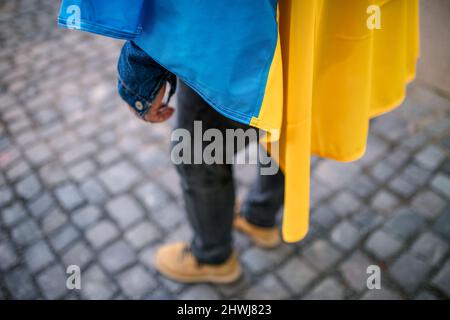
column 83, row 182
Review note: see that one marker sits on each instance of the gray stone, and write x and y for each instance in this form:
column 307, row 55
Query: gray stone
column 416, row 174
column 41, row 205
column 93, row 191
column 79, row 254
column 426, row 295
column 169, row 216
column 327, row 289
column 402, row 187
column 381, row 294
column 142, row 234
column 430, row 157
column 322, row 255
column 8, row 256
column 117, row 256
column 428, row 204
column 363, row 186
column 26, row 232
column 136, row 282
column 384, row 201
column 53, row 221
column 96, row 284
column 442, row 225
column 296, row 275
column 383, row 245
column 53, row 282
column 324, row 217
column 20, row 284
column 345, row 203
column 442, row 279
column 382, row 171
column 153, row 197
column 38, row 256
column 82, row 170
column 430, row 248
column 336, row 174
column 441, row 183
column 354, row 271
column 102, row 233
column 259, row 260
column 119, row 177
column 86, row 216
column 405, row 223
column 345, row 235
column 28, row 187
column 268, row 288
column 409, row 271
column 124, row 210
column 199, row 292
column 69, row 196
column 13, row 214
column 63, row 238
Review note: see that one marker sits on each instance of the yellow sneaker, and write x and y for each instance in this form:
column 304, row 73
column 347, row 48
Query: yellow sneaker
column 266, row 238
column 176, row 261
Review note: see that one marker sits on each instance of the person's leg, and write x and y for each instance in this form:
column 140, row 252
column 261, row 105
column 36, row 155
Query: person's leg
column 264, row 200
column 208, row 189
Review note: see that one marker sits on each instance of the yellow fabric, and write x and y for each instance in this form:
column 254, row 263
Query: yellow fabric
column 337, row 74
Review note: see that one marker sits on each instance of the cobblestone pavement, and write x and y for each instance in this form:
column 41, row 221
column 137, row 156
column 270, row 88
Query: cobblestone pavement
column 83, row 182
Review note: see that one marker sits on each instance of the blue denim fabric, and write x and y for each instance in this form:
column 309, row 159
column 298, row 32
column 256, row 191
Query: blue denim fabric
column 140, row 78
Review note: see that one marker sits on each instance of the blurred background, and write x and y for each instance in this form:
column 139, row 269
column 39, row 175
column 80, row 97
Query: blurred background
column 83, row 182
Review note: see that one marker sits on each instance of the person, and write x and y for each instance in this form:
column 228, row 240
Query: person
column 208, row 189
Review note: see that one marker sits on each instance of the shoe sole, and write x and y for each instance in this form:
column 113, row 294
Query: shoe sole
column 220, row 279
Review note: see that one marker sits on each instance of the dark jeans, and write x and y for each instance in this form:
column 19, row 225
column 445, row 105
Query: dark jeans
column 209, row 191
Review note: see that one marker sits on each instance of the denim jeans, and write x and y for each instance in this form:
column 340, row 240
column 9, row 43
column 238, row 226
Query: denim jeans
column 209, row 190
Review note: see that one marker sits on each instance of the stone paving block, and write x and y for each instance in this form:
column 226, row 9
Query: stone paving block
column 267, row 288
column 324, row 216
column 52, row 282
column 53, row 174
column 28, row 187
column 199, row 292
column 82, row 170
column 367, row 221
column 152, row 196
column 136, row 282
column 382, row 171
column 345, row 235
column 8, row 256
column 78, row 152
column 125, row 210
column 20, row 284
column 119, row 177
column 363, row 186
column 96, row 285
column 402, row 187
column 426, row 295
column 79, row 254
column 405, row 223
column 354, row 271
column 428, row 204
column 259, row 260
column 86, row 216
column 296, row 275
column 142, row 234
column 6, row 195
column 38, row 154
column 345, row 203
column 26, row 232
column 69, row 196
column 322, row 255
column 381, row 294
column 117, row 256
column 336, row 174
column 54, row 220
column 64, row 237
column 102, row 233
column 384, row 201
column 13, row 214
column 416, row 174
column 327, row 289
column 18, row 170
column 93, row 191
column 409, row 271
column 430, row 157
column 38, row 256
column 383, row 245
column 41, row 205
column 442, row 279
column 169, row 216
column 430, row 248
column 442, row 225
column 441, row 183
column 376, row 148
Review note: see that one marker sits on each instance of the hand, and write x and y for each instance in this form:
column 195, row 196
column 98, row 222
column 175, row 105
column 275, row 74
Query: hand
column 159, row 111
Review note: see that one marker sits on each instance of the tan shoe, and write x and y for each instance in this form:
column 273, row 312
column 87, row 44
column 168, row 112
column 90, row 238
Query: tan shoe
column 266, row 238
column 176, row 261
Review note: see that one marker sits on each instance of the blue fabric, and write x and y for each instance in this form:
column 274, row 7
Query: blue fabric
column 140, row 78
column 221, row 49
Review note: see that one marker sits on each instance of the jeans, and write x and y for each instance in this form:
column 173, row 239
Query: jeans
column 209, row 190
